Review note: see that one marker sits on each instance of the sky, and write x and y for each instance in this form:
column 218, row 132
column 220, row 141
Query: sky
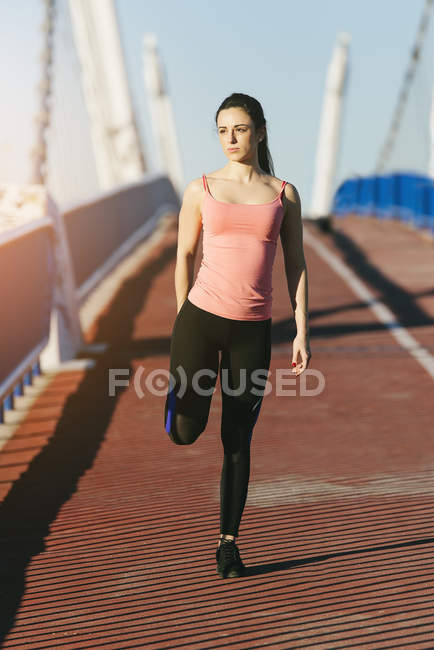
column 277, row 51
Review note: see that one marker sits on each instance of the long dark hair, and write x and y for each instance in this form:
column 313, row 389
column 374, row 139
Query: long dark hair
column 254, row 109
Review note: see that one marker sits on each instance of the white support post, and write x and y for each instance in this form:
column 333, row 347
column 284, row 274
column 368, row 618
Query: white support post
column 329, row 132
column 431, row 125
column 162, row 120
column 116, row 141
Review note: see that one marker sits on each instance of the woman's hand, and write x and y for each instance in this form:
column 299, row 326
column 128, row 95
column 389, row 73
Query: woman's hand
column 300, row 347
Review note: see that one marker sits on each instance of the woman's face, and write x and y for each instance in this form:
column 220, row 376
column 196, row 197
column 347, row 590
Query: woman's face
column 237, row 134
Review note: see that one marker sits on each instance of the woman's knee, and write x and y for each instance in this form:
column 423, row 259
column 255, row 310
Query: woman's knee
column 185, row 429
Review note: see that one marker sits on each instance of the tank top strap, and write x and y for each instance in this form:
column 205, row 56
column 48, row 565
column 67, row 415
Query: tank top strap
column 206, row 187
column 205, row 184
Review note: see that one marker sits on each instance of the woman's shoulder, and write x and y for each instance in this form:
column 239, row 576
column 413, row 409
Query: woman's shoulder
column 290, row 190
column 194, row 187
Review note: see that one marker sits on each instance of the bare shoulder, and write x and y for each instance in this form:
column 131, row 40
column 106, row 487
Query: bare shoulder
column 291, row 199
column 193, row 190
column 192, row 196
column 291, row 192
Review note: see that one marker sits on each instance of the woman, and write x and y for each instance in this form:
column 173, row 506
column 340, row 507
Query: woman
column 228, row 308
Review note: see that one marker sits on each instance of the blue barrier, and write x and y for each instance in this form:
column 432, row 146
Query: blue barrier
column 406, row 196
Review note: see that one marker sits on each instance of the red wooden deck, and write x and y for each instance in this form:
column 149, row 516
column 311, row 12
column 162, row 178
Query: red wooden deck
column 109, row 530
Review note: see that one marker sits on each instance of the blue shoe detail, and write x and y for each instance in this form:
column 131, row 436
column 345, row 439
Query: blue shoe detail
column 170, row 410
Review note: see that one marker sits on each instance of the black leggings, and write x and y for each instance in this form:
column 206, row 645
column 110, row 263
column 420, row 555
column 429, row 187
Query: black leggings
column 197, row 338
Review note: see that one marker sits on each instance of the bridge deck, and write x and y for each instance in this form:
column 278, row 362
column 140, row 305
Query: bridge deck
column 109, row 530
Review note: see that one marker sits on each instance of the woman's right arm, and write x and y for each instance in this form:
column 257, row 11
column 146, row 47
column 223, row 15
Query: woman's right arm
column 189, row 228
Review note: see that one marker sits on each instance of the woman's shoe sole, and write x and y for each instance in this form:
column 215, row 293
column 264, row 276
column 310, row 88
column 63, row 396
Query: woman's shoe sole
column 231, row 574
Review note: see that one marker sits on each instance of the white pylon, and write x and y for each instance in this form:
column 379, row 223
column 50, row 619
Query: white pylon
column 160, row 108
column 116, row 142
column 330, row 127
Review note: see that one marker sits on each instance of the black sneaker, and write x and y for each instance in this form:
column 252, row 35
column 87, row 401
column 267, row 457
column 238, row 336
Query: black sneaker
column 229, row 562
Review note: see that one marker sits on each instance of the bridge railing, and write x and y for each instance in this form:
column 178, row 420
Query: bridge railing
column 42, row 262
column 102, row 231
column 27, row 272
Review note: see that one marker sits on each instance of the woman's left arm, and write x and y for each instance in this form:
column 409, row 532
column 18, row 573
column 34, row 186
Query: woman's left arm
column 291, row 236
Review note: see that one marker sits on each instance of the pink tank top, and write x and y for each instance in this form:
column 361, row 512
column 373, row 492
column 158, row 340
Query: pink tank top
column 239, row 246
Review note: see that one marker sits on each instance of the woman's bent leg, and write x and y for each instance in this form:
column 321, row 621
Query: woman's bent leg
column 193, row 375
